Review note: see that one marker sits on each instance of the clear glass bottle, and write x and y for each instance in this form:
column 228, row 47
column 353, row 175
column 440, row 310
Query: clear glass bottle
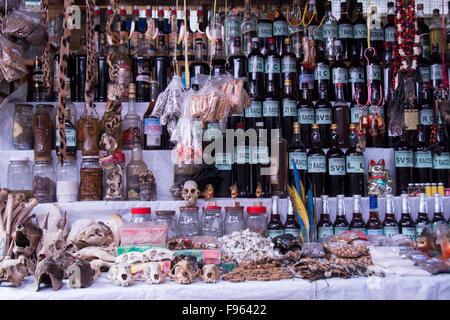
column 135, row 167
column 422, row 218
column 168, row 217
column 123, row 61
column 20, row 178
column 71, row 132
column 44, row 180
column 42, row 128
column 329, row 32
column 212, row 221
column 390, row 224
column 91, row 179
column 139, row 215
column 257, row 221
column 188, row 223
column 436, row 31
column 357, row 223
column 324, row 226
column 90, row 129
column 423, row 32
column 67, row 181
column 234, row 220
column 248, row 28
column 340, row 224
column 152, row 127
column 131, row 124
column 232, row 26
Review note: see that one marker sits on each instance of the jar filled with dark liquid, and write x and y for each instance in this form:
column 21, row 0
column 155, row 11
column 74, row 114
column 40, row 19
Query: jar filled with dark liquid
column 255, row 63
column 423, row 159
column 317, row 162
column 390, row 224
column 323, row 116
column 341, row 116
column 241, row 164
column 354, row 166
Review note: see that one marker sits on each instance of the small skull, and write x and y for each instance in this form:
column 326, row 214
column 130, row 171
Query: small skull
column 210, row 273
column 190, row 193
column 123, row 276
column 153, row 273
column 184, row 272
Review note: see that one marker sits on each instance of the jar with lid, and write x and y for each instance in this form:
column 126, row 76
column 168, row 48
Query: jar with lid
column 67, row 181
column 234, row 219
column 20, row 178
column 90, row 133
column 42, row 129
column 23, row 127
column 113, row 179
column 168, row 216
column 139, row 215
column 91, row 179
column 188, row 224
column 44, row 177
column 212, row 222
column 256, row 219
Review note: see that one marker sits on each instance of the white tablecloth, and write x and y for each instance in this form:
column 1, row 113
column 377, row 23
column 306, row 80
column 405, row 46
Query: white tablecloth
column 390, row 288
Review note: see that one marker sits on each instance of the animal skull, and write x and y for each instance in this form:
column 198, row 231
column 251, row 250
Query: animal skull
column 190, row 193
column 153, row 273
column 184, row 272
column 52, row 243
column 25, row 239
column 98, row 234
column 50, row 272
column 13, row 270
column 210, row 273
column 122, row 276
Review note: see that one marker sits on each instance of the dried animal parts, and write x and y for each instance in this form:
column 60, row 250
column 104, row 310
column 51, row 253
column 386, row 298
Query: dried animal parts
column 50, row 272
column 210, row 273
column 53, row 243
column 153, row 273
column 13, row 271
column 190, row 193
column 80, row 274
column 150, row 255
column 121, row 276
column 98, row 234
column 184, row 272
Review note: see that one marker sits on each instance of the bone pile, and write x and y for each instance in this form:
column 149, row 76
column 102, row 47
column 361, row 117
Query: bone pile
column 246, row 246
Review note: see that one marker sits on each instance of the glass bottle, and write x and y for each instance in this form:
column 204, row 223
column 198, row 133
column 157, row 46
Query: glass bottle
column 422, row 218
column 149, row 42
column 373, row 70
column 198, row 66
column 426, row 112
column 188, row 224
column 241, row 163
column 102, row 70
column 42, row 129
column 387, row 69
column 256, row 71
column 404, row 163
column 329, row 32
column 142, row 71
column 135, row 167
column 271, row 107
column 123, row 61
column 340, row 224
column 389, row 28
column 232, row 26
column 272, row 67
column 314, row 32
column 357, row 223
column 373, row 225
column 67, row 181
column 289, row 105
column 289, row 67
column 305, row 111
column 234, row 220
column 376, row 31
column 335, row 166
column 324, row 226
column 275, row 227
column 278, row 161
column 423, row 32
column 376, row 138
column 190, row 39
column 296, row 34
column 280, row 29
column 224, row 164
column 152, row 127
column 322, row 73
column 216, row 30
column 167, row 217
column 71, row 132
column 38, row 81
column 339, row 73
column 407, row 226
column 317, row 162
column 163, row 36
column 174, row 46
column 436, row 67
column 423, row 159
column 20, row 178
column 438, row 216
column 200, row 34
column 447, row 28
column 390, row 224
column 259, row 182
column 131, row 125
column 360, row 32
column 441, row 161
column 123, row 31
column 356, row 82
column 291, row 226
column 114, row 189
column 264, row 29
column 161, row 64
column 139, row 215
column 80, row 69
column 218, row 60
column 345, row 32
column 248, row 29
column 297, row 153
column 436, row 32
column 323, row 116
column 134, row 37
column 341, row 116
column 354, row 166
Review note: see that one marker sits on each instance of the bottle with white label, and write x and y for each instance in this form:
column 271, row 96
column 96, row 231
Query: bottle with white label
column 404, row 163
column 322, row 73
column 354, row 166
column 272, row 67
column 264, row 29
column 259, row 161
column 329, row 32
column 280, row 29
column 305, row 111
column 232, row 27
column 335, row 166
column 390, row 224
column 291, row 225
column 339, row 73
column 340, row 224
column 422, row 218
column 289, row 109
column 441, row 160
column 323, row 116
column 356, row 84
column 152, row 126
column 406, row 223
column 241, row 163
column 297, row 154
column 426, row 112
column 436, row 67
column 345, row 32
column 255, row 67
column 324, row 226
column 357, row 223
column 275, row 227
column 423, row 159
column 438, row 216
column 317, row 162
column 373, row 225
column 360, row 32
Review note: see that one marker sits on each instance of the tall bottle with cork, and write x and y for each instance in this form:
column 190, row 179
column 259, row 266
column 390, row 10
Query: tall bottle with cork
column 152, row 128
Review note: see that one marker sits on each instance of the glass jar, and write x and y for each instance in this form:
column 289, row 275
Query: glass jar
column 188, row 224
column 139, row 215
column 23, row 127
column 51, row 110
column 42, row 129
column 257, row 220
column 234, row 219
column 168, row 216
column 44, row 177
column 90, row 133
column 20, row 178
column 212, row 222
column 113, row 178
column 91, row 179
column 67, row 181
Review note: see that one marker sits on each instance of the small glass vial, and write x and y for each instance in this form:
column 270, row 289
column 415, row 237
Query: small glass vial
column 20, row 178
column 44, row 177
column 91, row 179
column 114, row 188
column 212, row 222
column 139, row 215
column 188, row 224
column 234, row 220
column 67, row 181
column 257, row 220
column 168, row 216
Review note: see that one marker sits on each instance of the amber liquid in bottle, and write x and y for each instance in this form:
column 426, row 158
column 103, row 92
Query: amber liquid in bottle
column 335, row 166
column 278, row 162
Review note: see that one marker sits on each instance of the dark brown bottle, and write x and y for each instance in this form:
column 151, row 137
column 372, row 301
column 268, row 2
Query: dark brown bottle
column 272, row 67
column 373, row 225
column 441, row 160
column 103, row 70
column 436, row 67
column 218, row 60
column 161, row 64
column 407, row 226
column 275, row 227
column 341, row 116
column 356, row 81
column 422, row 218
column 289, row 67
column 291, row 225
column 423, row 159
column 322, row 73
column 264, row 28
column 404, row 163
column 142, row 71
column 390, row 224
column 339, row 74
column 297, row 153
column 426, row 112
column 376, row 138
column 278, row 160
column 280, row 29
column 354, row 166
column 241, row 163
column 71, row 136
column 360, row 32
column 305, row 109
column 255, row 63
column 317, row 162
column 259, row 161
column 345, row 32
column 289, row 107
column 38, row 81
column 438, row 215
column 80, row 70
column 335, row 166
column 238, row 69
column 324, row 116
column 357, row 223
column 152, row 127
column 340, row 224
column 271, row 108
column 324, row 226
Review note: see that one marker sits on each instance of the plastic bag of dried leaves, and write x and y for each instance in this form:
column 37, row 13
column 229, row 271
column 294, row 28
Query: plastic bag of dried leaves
column 12, row 64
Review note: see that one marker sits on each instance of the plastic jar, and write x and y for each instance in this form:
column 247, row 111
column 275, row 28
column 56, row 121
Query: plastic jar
column 91, row 179
column 67, row 181
column 168, row 216
column 139, row 215
column 23, row 138
column 113, row 179
column 234, row 219
column 20, row 178
column 44, row 177
column 257, row 220
column 212, row 222
column 188, row 224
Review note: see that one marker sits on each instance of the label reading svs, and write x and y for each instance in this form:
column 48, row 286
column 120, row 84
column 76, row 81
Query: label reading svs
column 323, row 116
column 264, row 30
column 404, row 158
column 280, row 28
column 336, row 166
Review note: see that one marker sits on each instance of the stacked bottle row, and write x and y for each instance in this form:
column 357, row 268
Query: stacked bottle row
column 389, row 227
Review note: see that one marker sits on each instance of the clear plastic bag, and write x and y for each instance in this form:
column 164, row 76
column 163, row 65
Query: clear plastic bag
column 312, row 250
column 21, row 23
column 342, row 250
column 12, row 64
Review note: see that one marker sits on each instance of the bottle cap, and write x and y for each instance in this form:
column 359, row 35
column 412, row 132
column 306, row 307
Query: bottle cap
column 39, row 159
column 257, row 210
column 140, row 210
column 241, row 125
